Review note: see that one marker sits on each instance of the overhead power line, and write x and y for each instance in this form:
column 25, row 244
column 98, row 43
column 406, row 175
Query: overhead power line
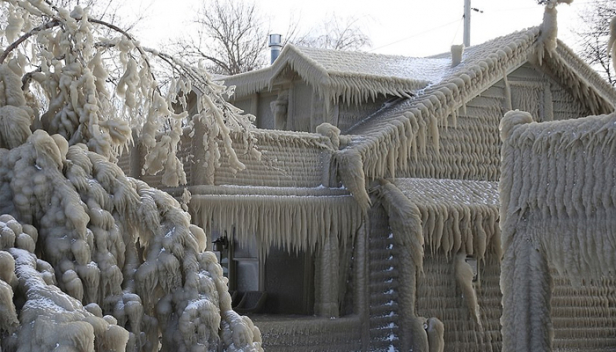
column 415, row 35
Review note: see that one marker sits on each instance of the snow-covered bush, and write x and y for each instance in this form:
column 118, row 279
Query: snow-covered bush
column 91, row 259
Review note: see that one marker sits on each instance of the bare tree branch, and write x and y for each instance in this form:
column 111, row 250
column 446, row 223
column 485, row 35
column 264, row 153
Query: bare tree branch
column 24, row 37
column 232, row 34
column 593, row 36
column 336, row 33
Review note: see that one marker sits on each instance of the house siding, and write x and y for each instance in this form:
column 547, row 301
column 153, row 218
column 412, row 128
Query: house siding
column 469, row 145
column 564, row 105
column 583, row 313
column 350, row 114
column 439, row 296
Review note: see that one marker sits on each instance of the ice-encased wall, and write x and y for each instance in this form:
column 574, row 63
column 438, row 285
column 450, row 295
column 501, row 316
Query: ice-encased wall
column 102, row 261
column 557, row 197
column 453, row 219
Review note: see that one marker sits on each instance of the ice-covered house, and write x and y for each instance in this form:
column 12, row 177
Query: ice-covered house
column 375, row 197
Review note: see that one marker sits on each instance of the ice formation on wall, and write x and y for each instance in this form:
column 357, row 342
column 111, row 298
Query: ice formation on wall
column 451, row 218
column 435, row 329
column 557, row 207
column 405, row 223
column 391, row 143
column 89, row 258
column 464, row 278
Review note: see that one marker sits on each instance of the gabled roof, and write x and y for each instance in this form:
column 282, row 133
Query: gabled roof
column 382, row 143
column 354, row 76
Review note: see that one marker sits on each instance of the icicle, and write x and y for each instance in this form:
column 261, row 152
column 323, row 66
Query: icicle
column 464, row 279
column 352, row 173
column 434, row 134
column 435, row 330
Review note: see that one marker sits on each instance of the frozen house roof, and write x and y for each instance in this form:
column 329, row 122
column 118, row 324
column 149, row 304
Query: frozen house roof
column 450, row 193
column 383, row 143
column 354, row 76
column 455, row 214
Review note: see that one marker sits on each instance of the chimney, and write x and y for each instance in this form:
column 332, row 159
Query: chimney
column 456, row 54
column 275, row 44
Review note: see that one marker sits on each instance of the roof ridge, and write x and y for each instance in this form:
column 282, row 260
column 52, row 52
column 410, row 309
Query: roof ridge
column 402, row 135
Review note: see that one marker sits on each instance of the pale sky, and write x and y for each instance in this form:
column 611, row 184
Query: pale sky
column 398, row 27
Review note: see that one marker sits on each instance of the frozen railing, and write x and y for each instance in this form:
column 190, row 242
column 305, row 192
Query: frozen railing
column 287, row 159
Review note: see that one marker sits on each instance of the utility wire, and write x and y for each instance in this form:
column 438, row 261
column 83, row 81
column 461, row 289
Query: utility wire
column 414, row 35
column 577, row 2
column 458, row 28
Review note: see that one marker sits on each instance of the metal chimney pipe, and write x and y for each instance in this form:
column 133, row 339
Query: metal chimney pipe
column 275, row 44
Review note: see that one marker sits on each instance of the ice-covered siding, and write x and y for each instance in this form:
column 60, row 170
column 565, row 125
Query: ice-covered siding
column 288, row 159
column 459, row 218
column 384, row 325
column 438, row 295
column 469, row 148
column 557, row 210
column 434, row 226
column 264, row 115
column 534, row 91
column 301, row 109
column 350, row 114
column 583, row 318
column 310, row 334
column 306, row 109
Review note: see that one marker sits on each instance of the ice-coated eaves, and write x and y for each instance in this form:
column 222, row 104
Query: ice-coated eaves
column 294, row 219
column 386, row 141
column 351, row 76
column 455, row 215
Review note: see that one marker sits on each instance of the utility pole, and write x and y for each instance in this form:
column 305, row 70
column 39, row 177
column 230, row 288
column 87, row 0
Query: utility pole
column 467, row 23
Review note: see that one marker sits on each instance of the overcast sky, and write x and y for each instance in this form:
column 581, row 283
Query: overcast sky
column 400, row 27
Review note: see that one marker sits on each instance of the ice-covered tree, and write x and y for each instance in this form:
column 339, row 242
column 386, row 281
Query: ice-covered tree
column 91, row 259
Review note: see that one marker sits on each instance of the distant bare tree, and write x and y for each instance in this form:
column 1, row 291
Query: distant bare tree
column 336, row 33
column 594, row 34
column 231, row 37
